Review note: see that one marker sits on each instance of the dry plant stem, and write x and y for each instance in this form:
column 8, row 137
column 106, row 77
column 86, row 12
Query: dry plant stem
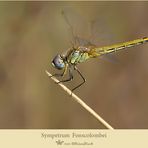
column 82, row 103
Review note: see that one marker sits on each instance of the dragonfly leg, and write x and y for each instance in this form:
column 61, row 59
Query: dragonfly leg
column 84, row 80
column 70, row 76
column 57, row 74
column 61, row 74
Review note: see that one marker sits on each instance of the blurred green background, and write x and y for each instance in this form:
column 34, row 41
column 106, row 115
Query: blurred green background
column 32, row 33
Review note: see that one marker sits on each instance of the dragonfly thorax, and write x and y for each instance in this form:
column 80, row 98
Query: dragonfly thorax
column 58, row 62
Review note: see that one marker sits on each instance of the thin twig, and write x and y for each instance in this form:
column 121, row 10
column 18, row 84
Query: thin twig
column 82, row 103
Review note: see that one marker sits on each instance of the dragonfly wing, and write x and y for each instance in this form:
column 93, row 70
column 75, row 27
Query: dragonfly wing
column 101, row 32
column 83, row 42
column 78, row 25
column 110, row 58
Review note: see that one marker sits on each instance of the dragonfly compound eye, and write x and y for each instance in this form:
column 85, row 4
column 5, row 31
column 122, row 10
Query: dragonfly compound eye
column 58, row 62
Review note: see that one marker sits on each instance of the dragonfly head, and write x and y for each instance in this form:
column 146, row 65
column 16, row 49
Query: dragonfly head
column 58, row 62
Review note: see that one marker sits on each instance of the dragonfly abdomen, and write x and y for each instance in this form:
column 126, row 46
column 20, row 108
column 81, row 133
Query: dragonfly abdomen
column 116, row 47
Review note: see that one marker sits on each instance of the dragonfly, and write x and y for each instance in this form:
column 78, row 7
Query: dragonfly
column 68, row 60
